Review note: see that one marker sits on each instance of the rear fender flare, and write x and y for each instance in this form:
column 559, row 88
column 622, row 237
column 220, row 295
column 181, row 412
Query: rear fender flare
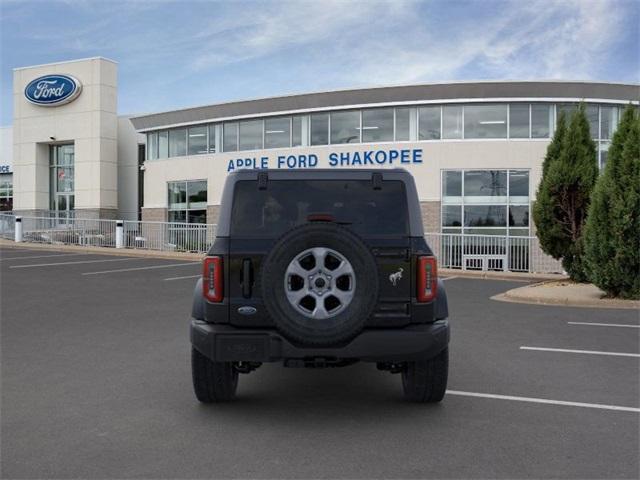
column 442, row 306
column 197, row 307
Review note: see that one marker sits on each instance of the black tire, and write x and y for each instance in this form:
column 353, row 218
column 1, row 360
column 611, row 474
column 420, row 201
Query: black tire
column 425, row 381
column 212, row 381
column 345, row 324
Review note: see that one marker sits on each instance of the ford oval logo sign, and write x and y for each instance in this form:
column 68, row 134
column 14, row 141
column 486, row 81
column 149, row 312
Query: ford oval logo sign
column 53, row 90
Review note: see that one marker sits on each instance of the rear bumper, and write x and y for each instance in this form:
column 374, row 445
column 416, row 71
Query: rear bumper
column 222, row 343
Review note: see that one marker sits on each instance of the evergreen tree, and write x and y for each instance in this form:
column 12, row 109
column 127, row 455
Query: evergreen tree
column 548, row 231
column 612, row 233
column 563, row 197
column 555, row 147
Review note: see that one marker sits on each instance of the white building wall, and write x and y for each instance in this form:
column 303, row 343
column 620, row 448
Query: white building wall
column 128, row 169
column 436, row 156
column 90, row 122
column 6, row 149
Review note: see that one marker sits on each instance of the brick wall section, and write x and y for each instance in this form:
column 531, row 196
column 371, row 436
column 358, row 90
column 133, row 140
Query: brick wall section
column 430, row 216
column 154, row 214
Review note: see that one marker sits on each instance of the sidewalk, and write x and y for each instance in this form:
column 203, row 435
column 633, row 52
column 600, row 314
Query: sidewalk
column 127, row 252
column 565, row 293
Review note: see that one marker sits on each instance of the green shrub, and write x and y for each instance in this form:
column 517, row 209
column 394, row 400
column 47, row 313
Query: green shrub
column 569, row 174
column 612, row 233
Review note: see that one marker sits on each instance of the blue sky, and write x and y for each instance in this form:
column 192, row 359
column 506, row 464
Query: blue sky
column 179, row 54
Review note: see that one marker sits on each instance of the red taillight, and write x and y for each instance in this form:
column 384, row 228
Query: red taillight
column 212, row 279
column 427, row 279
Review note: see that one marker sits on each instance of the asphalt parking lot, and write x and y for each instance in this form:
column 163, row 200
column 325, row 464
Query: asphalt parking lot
column 96, row 384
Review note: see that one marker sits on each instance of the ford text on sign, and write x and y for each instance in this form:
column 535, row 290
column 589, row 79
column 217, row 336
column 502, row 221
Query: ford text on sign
column 53, row 90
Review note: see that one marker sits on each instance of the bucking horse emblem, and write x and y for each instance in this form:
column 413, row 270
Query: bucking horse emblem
column 395, row 277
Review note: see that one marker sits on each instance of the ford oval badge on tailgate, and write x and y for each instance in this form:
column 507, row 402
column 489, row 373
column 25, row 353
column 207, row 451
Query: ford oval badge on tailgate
column 246, row 310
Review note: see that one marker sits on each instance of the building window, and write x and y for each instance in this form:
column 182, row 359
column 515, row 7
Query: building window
column 163, row 144
column 519, row 120
column 197, row 140
column 486, row 202
column 485, row 186
column 212, row 138
column 152, row 146
column 485, row 121
column 429, row 123
column 608, row 122
column 230, row 137
column 452, row 121
column 592, row 117
column 541, row 120
column 251, row 135
column 296, row 131
column 320, row 129
column 403, row 124
column 188, row 201
column 345, row 127
column 61, row 179
column 377, row 125
column 6, row 192
column 452, row 186
column 178, row 142
column 277, row 132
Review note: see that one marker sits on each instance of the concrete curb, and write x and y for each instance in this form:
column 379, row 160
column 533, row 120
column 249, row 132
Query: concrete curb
column 125, row 252
column 563, row 297
column 511, row 276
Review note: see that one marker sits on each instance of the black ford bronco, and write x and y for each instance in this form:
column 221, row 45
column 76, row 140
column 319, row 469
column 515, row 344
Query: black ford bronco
column 320, row 268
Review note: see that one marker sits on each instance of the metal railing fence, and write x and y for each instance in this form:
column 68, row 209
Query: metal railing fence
column 491, row 252
column 7, row 226
column 69, row 231
column 162, row 236
column 169, row 236
column 466, row 252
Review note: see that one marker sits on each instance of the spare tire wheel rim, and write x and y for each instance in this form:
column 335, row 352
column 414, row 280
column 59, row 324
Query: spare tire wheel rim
column 319, row 283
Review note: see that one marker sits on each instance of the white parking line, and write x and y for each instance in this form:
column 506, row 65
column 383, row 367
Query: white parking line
column 604, row 324
column 182, row 278
column 545, row 401
column 42, row 256
column 589, row 352
column 449, row 278
column 74, row 263
column 142, row 268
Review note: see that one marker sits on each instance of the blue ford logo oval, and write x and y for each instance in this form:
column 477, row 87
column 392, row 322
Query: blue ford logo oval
column 247, row 310
column 52, row 90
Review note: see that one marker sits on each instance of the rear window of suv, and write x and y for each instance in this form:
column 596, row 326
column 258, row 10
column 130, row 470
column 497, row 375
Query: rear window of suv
column 285, row 204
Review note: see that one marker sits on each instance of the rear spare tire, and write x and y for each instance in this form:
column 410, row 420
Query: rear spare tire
column 320, row 284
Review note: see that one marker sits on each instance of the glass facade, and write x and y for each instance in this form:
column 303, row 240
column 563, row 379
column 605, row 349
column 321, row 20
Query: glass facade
column 187, row 201
column 477, row 121
column 6, row 192
column 403, row 124
column 178, row 142
column 519, row 120
column 230, row 137
column 452, row 121
column 277, row 132
column 377, row 125
column 345, row 127
column 486, row 202
column 197, row 140
column 429, row 123
column 319, row 129
column 485, row 121
column 61, row 179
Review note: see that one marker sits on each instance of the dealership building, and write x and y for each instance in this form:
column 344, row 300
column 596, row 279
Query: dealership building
column 474, row 148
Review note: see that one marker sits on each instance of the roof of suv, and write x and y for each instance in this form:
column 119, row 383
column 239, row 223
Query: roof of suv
column 397, row 174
